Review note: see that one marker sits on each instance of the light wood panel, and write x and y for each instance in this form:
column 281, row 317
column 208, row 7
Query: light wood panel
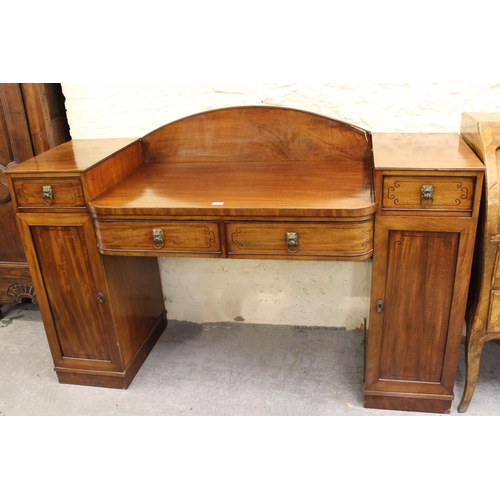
column 482, row 132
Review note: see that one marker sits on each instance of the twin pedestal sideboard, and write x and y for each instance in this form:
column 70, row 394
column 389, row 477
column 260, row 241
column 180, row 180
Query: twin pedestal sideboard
column 253, row 182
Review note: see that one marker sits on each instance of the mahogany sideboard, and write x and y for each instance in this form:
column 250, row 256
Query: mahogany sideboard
column 253, row 182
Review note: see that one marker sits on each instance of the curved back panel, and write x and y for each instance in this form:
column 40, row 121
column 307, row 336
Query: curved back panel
column 256, row 134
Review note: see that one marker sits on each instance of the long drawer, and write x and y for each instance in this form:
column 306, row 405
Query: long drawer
column 350, row 240
column 158, row 237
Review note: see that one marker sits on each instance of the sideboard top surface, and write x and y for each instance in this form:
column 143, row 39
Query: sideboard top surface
column 232, row 188
column 438, row 151
column 75, row 156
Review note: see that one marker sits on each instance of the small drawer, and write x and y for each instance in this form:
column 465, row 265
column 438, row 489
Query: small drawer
column 352, row 240
column 189, row 237
column 49, row 193
column 429, row 193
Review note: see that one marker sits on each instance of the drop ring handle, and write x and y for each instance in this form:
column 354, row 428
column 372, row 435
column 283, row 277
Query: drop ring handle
column 427, row 195
column 158, row 240
column 47, row 195
column 292, row 242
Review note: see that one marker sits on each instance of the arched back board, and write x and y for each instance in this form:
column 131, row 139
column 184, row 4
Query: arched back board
column 257, row 134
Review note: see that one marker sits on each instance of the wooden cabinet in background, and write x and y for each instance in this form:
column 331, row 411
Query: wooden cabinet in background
column 32, row 120
column 482, row 132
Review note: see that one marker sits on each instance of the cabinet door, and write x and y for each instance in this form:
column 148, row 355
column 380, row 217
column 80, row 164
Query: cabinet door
column 419, row 289
column 72, row 293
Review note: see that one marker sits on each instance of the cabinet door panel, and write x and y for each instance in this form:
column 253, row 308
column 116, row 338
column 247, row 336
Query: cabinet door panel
column 71, row 280
column 421, row 272
column 420, row 278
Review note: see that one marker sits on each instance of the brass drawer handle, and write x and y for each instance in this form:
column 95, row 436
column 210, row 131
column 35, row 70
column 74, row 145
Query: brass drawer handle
column 158, row 241
column 48, row 195
column 292, row 240
column 426, row 195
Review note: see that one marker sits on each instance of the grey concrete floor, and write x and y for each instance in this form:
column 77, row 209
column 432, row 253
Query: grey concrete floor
column 216, row 369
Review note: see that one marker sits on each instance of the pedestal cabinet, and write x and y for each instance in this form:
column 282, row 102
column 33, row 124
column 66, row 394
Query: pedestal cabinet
column 428, row 190
column 102, row 316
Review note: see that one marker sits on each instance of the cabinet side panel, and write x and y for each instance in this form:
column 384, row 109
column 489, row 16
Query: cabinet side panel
column 421, row 274
column 137, row 300
column 71, row 289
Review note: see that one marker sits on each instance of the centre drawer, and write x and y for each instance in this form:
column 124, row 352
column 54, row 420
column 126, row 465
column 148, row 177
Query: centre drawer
column 335, row 240
column 158, row 237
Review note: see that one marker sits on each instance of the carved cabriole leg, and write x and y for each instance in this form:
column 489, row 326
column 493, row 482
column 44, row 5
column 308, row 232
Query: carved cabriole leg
column 477, row 319
column 473, row 347
column 478, row 316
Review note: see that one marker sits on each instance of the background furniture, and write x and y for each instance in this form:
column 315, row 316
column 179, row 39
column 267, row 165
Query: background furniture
column 253, row 182
column 32, row 120
column 482, row 133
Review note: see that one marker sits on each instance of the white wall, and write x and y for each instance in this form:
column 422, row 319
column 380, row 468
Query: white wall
column 258, row 291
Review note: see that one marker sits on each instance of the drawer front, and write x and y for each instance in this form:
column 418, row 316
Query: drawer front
column 190, row 237
column 429, row 193
column 307, row 239
column 49, row 193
